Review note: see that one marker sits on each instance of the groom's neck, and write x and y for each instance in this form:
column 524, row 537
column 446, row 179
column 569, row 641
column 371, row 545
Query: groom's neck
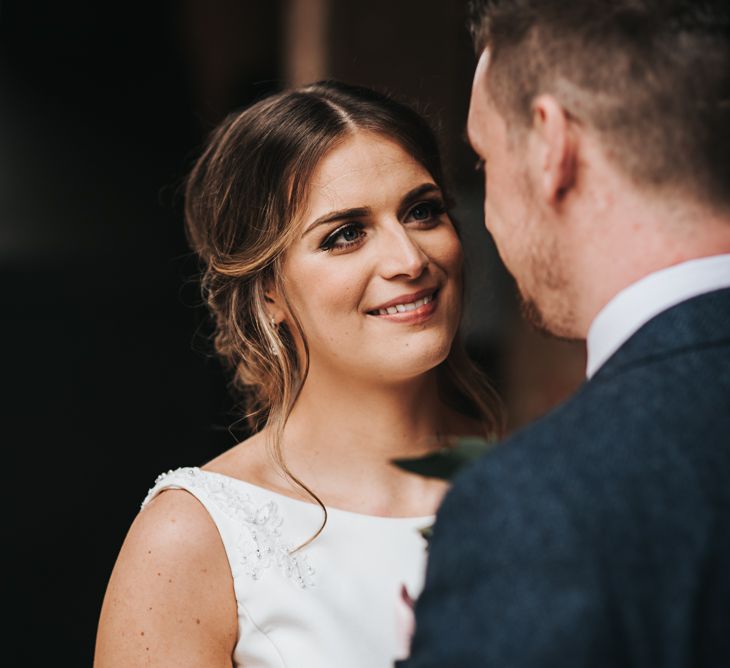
column 632, row 235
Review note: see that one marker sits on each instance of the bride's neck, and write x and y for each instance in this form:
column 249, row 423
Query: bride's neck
column 365, row 420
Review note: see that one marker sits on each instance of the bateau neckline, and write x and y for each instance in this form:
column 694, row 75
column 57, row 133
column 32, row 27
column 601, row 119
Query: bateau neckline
column 331, row 510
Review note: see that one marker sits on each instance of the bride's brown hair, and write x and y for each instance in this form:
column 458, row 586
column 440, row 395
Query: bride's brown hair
column 241, row 199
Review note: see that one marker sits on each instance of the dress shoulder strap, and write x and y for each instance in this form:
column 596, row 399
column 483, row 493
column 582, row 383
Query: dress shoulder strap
column 249, row 528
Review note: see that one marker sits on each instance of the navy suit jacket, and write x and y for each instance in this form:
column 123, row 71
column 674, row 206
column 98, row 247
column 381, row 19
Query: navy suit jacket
column 599, row 535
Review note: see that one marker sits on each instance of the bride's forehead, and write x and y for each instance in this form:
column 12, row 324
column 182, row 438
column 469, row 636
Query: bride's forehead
column 362, row 152
column 364, row 168
column 362, row 190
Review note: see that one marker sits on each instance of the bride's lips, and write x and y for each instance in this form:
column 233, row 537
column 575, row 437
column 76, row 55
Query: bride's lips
column 411, row 308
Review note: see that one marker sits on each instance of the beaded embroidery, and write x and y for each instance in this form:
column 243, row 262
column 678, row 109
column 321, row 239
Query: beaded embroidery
column 261, row 544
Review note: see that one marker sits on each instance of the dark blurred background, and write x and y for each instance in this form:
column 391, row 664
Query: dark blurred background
column 107, row 376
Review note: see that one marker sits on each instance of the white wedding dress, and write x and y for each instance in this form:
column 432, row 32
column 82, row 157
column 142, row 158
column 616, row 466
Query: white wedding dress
column 336, row 603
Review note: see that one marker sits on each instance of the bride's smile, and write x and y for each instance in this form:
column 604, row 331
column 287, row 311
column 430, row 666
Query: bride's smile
column 417, row 307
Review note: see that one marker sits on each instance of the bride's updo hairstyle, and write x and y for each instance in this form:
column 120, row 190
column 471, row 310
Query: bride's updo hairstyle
column 241, row 202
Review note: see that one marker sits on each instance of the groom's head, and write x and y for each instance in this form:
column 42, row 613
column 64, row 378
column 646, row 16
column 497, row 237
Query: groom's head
column 582, row 108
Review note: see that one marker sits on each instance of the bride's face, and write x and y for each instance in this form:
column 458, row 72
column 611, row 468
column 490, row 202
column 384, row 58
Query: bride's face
column 375, row 274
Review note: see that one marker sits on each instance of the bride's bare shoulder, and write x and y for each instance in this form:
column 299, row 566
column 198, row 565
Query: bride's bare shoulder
column 174, row 520
column 170, row 594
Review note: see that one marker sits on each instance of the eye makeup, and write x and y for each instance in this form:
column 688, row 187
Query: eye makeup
column 425, row 214
column 345, row 232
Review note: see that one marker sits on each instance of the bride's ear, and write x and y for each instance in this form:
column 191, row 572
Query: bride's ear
column 274, row 304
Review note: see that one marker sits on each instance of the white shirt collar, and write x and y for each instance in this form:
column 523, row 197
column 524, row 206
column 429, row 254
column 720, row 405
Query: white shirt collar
column 634, row 306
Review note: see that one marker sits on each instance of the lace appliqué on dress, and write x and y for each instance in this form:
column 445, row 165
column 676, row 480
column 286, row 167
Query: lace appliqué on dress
column 259, row 546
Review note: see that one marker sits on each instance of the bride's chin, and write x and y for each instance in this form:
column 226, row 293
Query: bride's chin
column 414, row 368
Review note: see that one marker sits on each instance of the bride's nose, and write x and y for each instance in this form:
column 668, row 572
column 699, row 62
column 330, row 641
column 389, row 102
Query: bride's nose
column 399, row 254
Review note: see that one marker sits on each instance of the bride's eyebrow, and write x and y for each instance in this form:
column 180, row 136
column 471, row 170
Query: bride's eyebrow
column 342, row 214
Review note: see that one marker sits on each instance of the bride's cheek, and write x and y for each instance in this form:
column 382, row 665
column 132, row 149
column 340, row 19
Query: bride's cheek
column 452, row 255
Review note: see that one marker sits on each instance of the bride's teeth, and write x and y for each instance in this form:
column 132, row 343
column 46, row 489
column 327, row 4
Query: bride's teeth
column 402, row 308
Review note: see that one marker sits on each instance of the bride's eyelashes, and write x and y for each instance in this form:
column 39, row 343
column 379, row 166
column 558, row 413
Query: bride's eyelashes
column 346, row 236
column 427, row 211
column 425, row 214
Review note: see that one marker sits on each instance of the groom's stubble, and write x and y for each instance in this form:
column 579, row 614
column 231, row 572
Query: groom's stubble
column 531, row 312
column 549, row 305
column 542, row 275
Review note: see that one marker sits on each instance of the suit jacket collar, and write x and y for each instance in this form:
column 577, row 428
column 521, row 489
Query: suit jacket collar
column 698, row 322
column 638, row 303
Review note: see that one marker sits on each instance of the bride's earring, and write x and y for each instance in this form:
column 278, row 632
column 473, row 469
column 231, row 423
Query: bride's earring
column 275, row 327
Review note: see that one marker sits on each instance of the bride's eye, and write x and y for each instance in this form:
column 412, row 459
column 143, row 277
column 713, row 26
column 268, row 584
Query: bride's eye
column 343, row 237
column 426, row 211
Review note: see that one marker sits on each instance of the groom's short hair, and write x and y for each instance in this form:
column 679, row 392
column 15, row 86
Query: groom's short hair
column 652, row 77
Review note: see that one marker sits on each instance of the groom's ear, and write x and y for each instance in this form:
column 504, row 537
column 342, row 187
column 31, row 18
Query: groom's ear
column 555, row 148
